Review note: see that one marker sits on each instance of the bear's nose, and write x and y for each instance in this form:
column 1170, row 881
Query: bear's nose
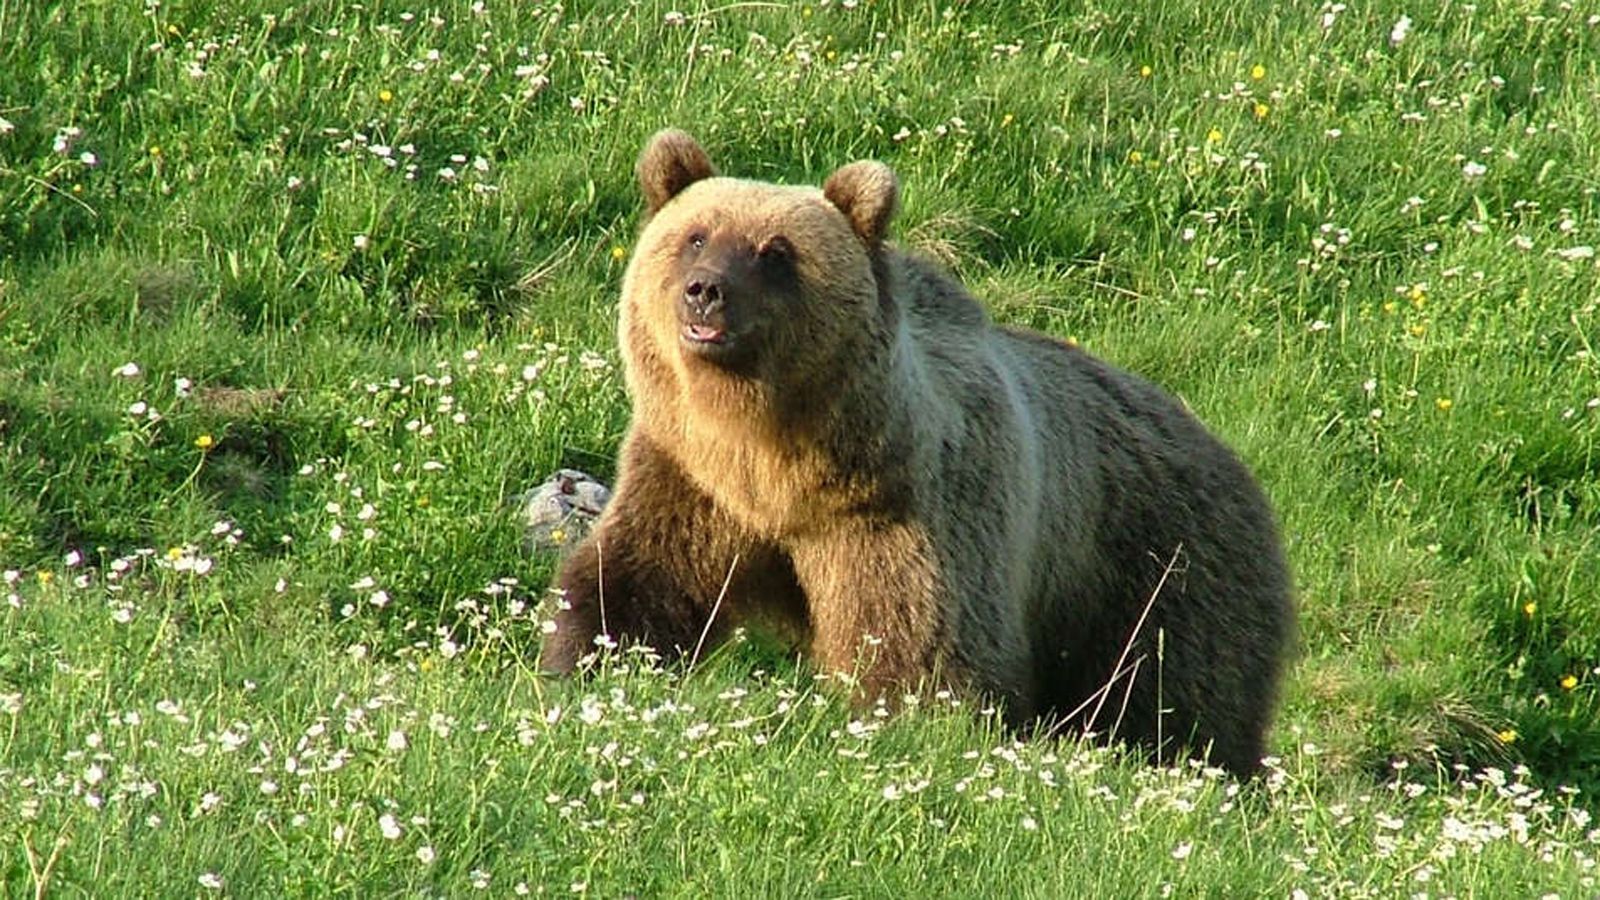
column 703, row 295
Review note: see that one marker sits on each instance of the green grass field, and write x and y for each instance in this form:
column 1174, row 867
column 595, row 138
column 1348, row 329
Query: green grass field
column 294, row 300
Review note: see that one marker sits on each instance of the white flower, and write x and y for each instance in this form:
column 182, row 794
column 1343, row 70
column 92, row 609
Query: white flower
column 88, row 159
column 5, row 125
column 1183, row 850
column 64, row 139
column 73, row 557
column 211, row 880
column 360, row 241
column 397, row 741
column 1397, row 34
column 127, row 370
column 389, row 827
column 1474, row 169
column 425, row 855
column 293, row 183
column 1576, row 253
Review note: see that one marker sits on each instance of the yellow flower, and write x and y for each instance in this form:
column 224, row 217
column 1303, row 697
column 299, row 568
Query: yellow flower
column 1419, row 329
column 1444, row 404
column 619, row 253
column 1258, row 71
column 1007, row 119
column 205, row 442
column 174, row 553
column 1261, row 110
column 1390, row 306
column 1135, row 157
column 1418, row 295
column 1214, row 136
column 1145, row 71
column 1529, row 608
column 423, row 502
column 172, row 29
column 1568, row 682
column 155, row 149
column 805, row 12
column 557, row 536
column 45, row 577
column 1507, row 736
column 385, row 95
column 427, row 664
column 833, row 55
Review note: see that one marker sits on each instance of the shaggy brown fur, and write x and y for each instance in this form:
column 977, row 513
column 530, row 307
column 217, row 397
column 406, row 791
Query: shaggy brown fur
column 834, row 429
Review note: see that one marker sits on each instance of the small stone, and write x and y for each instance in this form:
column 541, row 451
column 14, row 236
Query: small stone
column 561, row 510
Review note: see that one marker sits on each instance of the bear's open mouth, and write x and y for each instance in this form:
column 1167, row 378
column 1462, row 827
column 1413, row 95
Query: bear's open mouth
column 704, row 334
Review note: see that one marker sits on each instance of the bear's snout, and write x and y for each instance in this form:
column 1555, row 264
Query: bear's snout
column 703, row 308
column 703, row 296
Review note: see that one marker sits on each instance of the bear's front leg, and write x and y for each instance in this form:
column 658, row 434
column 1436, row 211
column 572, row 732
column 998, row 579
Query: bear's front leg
column 875, row 597
column 652, row 571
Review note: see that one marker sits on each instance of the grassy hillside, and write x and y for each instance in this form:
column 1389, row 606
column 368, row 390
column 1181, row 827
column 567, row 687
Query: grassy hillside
column 295, row 300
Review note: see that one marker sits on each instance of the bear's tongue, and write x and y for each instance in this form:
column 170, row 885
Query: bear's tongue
column 704, row 333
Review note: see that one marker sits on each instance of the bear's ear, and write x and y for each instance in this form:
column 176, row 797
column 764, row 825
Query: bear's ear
column 670, row 162
column 868, row 194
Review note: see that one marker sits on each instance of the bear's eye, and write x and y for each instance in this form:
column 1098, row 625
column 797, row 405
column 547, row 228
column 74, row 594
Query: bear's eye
column 776, row 249
column 697, row 239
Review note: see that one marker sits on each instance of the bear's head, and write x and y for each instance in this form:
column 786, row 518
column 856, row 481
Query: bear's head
column 753, row 282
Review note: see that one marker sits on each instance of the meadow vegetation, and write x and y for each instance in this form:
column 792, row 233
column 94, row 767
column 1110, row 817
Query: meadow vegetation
column 296, row 300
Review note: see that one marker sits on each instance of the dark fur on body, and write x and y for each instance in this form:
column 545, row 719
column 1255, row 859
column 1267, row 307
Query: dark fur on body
column 861, row 453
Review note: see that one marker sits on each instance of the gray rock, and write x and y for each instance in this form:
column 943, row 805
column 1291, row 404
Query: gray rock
column 560, row 511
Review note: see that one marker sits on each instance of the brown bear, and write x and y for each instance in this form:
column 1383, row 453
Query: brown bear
column 831, row 440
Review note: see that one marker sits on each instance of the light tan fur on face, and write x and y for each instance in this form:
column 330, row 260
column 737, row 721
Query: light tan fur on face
column 738, row 440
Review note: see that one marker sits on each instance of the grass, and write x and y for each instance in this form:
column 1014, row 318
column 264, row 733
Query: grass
column 294, row 301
